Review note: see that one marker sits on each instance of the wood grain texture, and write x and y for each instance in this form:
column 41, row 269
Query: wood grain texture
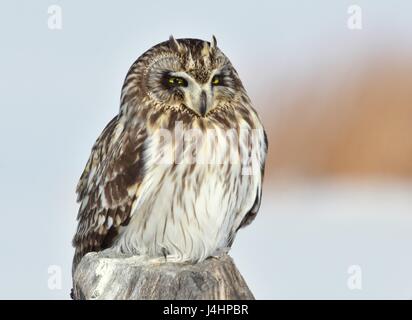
column 108, row 275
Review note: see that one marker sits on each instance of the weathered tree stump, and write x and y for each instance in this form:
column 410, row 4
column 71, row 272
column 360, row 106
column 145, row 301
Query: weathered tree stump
column 109, row 275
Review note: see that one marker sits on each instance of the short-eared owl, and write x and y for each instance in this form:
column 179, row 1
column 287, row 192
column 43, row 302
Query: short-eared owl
column 179, row 170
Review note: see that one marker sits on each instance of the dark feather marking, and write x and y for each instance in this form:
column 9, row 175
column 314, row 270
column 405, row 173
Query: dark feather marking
column 164, row 228
column 183, row 231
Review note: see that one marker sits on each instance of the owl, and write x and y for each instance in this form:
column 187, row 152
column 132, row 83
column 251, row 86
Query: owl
column 179, row 170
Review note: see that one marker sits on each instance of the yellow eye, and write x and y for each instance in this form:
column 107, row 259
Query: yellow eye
column 176, row 81
column 216, row 80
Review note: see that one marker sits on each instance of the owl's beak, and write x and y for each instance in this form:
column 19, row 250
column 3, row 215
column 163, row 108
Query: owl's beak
column 203, row 104
column 199, row 100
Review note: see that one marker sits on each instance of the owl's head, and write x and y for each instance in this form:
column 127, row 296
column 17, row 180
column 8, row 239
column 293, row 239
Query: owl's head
column 183, row 74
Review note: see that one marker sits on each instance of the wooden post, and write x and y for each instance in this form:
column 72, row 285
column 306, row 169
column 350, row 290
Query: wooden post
column 109, row 275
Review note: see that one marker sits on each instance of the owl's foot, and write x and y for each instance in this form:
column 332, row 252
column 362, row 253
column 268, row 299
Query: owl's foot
column 220, row 252
column 137, row 259
column 166, row 259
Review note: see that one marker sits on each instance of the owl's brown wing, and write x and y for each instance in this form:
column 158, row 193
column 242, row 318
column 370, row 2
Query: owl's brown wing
column 251, row 215
column 108, row 187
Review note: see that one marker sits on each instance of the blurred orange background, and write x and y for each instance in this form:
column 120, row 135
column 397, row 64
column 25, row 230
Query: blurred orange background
column 348, row 121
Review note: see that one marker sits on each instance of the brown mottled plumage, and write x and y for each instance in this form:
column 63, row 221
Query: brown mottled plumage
column 132, row 201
